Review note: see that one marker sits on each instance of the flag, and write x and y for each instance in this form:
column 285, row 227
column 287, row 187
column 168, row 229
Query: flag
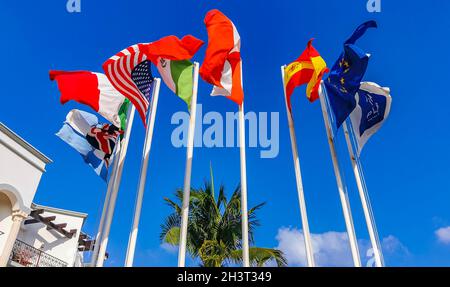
column 171, row 57
column 346, row 75
column 129, row 71
column 372, row 110
column 222, row 64
column 77, row 132
column 93, row 90
column 308, row 68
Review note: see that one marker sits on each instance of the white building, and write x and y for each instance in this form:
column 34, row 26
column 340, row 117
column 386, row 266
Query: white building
column 30, row 234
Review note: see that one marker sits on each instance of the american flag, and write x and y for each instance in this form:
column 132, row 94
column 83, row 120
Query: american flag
column 129, row 72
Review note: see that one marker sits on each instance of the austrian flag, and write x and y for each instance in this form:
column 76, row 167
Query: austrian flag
column 222, row 64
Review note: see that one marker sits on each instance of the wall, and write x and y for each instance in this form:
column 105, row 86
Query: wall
column 52, row 242
column 5, row 218
column 19, row 173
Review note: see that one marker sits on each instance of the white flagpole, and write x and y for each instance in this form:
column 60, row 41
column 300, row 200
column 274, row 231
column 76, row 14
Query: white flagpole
column 105, row 207
column 245, row 240
column 188, row 171
column 365, row 201
column 115, row 189
column 143, row 175
column 342, row 190
column 298, row 176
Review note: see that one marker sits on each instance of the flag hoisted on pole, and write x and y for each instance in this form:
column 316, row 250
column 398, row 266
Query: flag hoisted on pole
column 340, row 92
column 143, row 174
column 103, row 242
column 129, row 71
column 342, row 189
column 373, row 106
column 298, row 177
column 309, row 69
column 188, row 171
column 101, row 224
column 222, row 67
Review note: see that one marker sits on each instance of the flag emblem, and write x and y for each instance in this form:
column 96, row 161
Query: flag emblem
column 103, row 138
column 308, row 68
column 372, row 110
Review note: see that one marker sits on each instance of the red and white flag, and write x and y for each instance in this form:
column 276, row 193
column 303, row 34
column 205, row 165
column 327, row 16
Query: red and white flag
column 92, row 89
column 222, row 64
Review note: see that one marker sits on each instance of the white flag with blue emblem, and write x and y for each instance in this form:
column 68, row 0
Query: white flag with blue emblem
column 372, row 110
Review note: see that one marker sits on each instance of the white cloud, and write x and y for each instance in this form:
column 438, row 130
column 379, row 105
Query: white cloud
column 443, row 234
column 172, row 249
column 330, row 248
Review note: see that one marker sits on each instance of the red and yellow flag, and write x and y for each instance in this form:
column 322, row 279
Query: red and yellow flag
column 309, row 69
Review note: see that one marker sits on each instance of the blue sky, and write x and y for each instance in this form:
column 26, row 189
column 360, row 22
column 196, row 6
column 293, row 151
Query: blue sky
column 405, row 164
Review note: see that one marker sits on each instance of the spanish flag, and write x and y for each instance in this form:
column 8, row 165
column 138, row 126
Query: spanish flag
column 309, row 69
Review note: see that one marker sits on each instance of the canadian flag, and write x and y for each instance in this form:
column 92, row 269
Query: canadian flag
column 222, row 64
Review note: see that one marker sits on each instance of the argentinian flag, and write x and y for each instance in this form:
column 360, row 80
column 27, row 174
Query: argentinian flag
column 372, row 110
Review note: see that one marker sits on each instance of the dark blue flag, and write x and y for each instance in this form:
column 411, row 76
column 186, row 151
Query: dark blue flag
column 345, row 77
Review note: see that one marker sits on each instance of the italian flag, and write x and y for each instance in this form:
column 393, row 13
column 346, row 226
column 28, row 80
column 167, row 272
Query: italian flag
column 171, row 56
column 93, row 90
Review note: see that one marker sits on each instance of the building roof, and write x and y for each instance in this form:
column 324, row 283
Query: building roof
column 58, row 210
column 24, row 144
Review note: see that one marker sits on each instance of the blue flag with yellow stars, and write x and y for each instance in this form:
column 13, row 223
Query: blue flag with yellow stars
column 345, row 77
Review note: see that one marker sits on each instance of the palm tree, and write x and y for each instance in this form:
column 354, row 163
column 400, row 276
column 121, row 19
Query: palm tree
column 214, row 229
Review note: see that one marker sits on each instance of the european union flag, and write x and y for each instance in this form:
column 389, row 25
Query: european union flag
column 345, row 77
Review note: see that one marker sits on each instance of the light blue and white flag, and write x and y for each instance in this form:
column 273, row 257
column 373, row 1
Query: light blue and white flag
column 372, row 110
column 77, row 126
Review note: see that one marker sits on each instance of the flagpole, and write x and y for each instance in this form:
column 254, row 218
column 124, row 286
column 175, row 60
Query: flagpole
column 143, row 176
column 115, row 189
column 365, row 201
column 188, row 172
column 245, row 240
column 105, row 207
column 298, row 176
column 342, row 190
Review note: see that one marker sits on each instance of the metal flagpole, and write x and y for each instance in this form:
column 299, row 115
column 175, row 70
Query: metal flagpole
column 143, row 175
column 105, row 207
column 298, row 176
column 245, row 240
column 342, row 190
column 365, row 201
column 188, row 172
column 115, row 189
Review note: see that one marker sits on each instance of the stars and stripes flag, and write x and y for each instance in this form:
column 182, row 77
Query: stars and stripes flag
column 129, row 71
